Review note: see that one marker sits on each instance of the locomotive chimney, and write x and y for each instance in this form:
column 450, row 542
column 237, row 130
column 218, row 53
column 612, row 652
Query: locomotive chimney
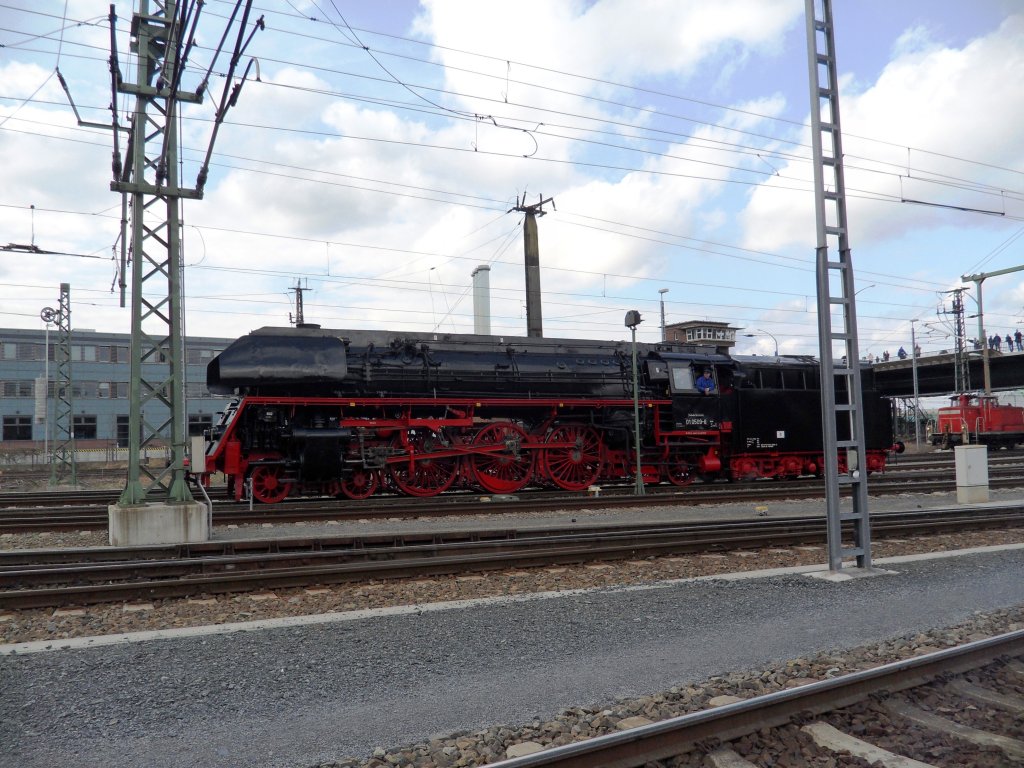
column 482, row 300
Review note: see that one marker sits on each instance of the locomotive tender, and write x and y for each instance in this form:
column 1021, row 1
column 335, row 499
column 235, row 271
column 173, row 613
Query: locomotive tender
column 345, row 413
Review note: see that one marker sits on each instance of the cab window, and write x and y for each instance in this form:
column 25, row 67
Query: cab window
column 682, row 379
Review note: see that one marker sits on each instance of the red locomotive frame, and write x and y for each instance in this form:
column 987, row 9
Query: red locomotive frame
column 425, row 446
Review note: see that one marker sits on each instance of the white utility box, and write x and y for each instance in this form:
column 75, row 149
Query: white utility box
column 971, row 473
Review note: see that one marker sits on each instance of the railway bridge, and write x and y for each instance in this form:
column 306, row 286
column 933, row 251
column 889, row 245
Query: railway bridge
column 936, row 374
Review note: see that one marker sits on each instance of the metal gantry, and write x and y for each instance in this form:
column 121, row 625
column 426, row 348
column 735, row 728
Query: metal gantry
column 978, row 279
column 150, row 178
column 962, row 368
column 63, row 460
column 837, row 316
column 162, row 34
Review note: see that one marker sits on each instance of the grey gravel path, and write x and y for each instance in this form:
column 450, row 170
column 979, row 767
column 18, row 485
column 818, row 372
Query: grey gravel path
column 294, row 697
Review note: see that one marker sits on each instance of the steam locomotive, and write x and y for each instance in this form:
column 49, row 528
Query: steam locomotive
column 348, row 413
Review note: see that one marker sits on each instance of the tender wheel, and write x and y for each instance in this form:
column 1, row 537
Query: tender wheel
column 504, row 471
column 679, row 472
column 418, row 474
column 360, row 484
column 267, row 485
column 573, row 460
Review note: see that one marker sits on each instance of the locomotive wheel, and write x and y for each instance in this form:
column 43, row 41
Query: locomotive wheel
column 506, row 471
column 361, row 484
column 421, row 475
column 267, row 485
column 576, row 466
column 679, row 472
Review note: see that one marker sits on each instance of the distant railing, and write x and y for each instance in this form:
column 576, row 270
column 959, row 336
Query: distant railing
column 33, row 456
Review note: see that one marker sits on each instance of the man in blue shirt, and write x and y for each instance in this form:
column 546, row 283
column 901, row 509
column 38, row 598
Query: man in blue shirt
column 705, row 383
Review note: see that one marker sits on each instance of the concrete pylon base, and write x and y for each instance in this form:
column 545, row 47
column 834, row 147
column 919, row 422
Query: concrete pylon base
column 848, row 574
column 157, row 523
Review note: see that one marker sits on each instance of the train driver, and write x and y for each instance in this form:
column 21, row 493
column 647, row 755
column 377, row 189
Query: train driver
column 705, row 382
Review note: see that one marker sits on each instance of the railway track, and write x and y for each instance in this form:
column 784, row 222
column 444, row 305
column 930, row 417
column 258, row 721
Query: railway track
column 931, row 703
column 52, row 515
column 36, row 579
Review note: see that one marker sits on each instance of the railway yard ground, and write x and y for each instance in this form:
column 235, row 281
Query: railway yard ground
column 467, row 668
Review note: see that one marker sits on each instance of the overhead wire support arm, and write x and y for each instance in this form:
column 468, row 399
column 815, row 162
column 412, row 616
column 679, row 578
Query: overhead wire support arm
column 116, row 164
column 177, row 63
column 230, row 94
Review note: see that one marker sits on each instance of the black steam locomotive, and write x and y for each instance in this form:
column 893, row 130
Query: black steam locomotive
column 345, row 413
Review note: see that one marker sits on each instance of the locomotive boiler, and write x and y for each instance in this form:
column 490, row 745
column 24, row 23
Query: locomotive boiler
column 348, row 413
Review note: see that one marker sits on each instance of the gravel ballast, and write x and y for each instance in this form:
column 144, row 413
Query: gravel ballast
column 315, row 694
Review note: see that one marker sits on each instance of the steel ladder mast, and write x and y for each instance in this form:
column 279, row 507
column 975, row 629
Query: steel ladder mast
column 151, row 179
column 837, row 316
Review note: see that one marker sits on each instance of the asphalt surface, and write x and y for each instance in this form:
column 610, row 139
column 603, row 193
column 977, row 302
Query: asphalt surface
column 301, row 695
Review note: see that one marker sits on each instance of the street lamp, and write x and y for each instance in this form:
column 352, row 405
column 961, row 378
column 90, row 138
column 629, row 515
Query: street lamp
column 917, row 400
column 632, row 321
column 752, row 335
column 663, row 291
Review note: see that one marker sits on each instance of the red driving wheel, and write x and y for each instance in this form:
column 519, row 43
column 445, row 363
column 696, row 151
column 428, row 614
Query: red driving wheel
column 419, row 474
column 506, row 470
column 572, row 458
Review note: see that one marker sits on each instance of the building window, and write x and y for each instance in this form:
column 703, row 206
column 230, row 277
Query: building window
column 103, row 390
column 196, row 356
column 85, row 427
column 84, row 389
column 198, row 423
column 83, row 353
column 17, row 388
column 122, row 431
column 30, row 352
column 17, row 428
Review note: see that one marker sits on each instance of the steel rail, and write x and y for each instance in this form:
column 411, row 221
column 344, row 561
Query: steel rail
column 348, row 559
column 678, row 735
column 91, row 518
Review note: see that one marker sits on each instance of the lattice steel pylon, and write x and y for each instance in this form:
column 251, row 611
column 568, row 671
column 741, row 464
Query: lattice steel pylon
column 961, row 368
column 150, row 178
column 836, row 294
column 163, row 32
column 63, row 459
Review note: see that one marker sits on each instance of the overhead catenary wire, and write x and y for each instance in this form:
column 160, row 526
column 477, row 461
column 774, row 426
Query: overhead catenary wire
column 795, row 262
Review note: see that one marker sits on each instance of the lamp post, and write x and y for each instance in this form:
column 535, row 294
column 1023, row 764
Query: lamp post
column 917, row 402
column 632, row 321
column 663, row 291
column 752, row 335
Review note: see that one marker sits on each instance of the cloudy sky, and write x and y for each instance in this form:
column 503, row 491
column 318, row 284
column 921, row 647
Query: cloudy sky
column 378, row 154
